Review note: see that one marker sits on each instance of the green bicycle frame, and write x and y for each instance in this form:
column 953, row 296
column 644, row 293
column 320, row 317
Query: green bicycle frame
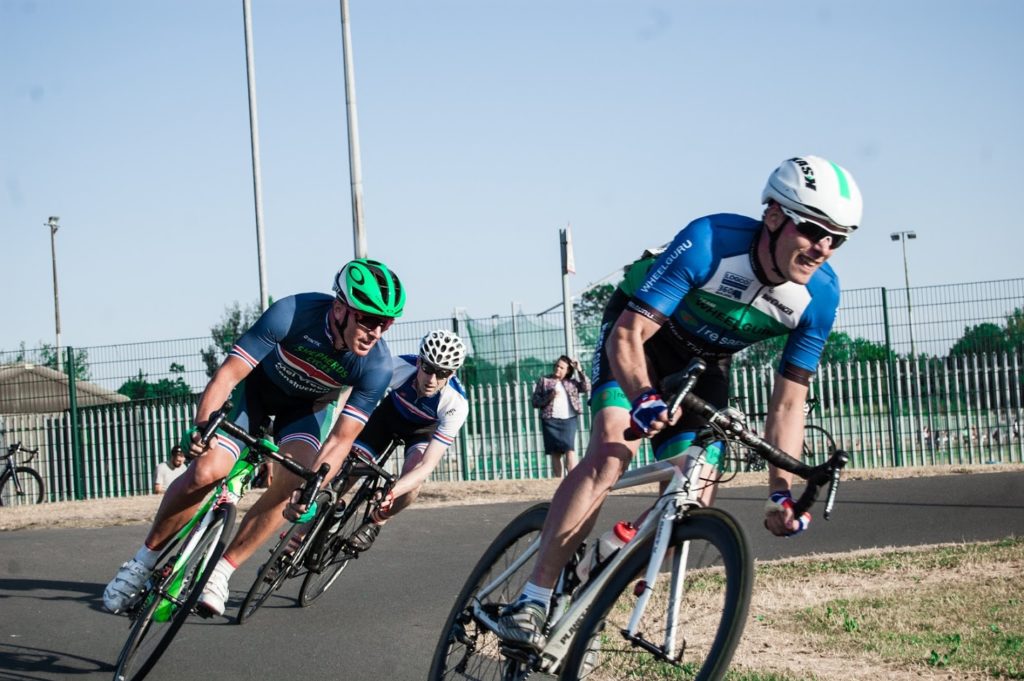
column 228, row 491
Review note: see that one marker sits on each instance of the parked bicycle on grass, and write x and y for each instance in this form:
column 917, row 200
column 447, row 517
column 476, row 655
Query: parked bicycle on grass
column 630, row 619
column 20, row 485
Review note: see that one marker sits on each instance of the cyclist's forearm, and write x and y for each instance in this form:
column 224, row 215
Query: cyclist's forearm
column 625, row 347
column 784, row 426
column 413, row 478
column 229, row 375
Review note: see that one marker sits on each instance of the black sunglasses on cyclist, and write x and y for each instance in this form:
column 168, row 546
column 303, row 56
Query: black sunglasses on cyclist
column 371, row 322
column 432, row 370
column 812, row 230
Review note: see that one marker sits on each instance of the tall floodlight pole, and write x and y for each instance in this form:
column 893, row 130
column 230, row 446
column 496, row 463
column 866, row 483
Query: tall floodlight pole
column 254, row 136
column 902, row 237
column 568, row 267
column 52, row 224
column 354, row 163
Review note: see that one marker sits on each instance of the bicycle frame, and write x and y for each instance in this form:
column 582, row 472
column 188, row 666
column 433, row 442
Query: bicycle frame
column 683, row 472
column 228, row 491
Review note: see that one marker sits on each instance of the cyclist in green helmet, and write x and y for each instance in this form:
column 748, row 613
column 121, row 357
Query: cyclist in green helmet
column 292, row 365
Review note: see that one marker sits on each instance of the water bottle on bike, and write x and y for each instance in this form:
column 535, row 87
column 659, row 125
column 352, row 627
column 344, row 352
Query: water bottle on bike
column 598, row 553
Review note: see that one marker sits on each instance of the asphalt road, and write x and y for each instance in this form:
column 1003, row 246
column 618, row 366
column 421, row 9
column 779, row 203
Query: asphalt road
column 381, row 619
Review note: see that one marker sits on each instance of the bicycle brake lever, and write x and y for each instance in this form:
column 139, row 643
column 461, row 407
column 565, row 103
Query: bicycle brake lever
column 840, row 459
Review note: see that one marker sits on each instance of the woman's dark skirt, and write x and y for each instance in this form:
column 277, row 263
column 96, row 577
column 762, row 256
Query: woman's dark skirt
column 559, row 435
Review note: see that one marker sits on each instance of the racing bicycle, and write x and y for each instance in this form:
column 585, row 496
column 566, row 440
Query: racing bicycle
column 318, row 550
column 171, row 592
column 20, row 485
column 819, row 445
column 671, row 603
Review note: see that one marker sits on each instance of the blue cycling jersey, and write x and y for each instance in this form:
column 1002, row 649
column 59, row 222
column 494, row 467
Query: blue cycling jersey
column 447, row 408
column 291, row 345
column 706, row 288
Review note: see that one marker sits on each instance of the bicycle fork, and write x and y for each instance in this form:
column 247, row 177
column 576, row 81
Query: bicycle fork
column 170, row 594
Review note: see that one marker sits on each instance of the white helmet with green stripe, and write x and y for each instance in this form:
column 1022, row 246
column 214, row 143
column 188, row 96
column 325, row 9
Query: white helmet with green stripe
column 816, row 187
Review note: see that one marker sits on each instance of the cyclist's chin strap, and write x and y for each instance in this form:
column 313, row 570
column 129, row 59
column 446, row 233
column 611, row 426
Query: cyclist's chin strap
column 773, row 240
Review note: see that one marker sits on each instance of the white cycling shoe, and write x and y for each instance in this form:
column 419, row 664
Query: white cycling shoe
column 125, row 587
column 215, row 595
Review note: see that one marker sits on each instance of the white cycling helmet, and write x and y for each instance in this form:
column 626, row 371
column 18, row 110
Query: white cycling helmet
column 816, row 187
column 443, row 349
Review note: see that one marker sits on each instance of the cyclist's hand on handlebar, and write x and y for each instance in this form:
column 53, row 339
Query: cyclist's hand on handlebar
column 779, row 517
column 294, row 509
column 649, row 414
column 191, row 446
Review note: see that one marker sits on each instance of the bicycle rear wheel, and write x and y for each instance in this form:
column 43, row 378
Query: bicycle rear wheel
column 168, row 603
column 23, row 487
column 714, row 599
column 330, row 554
column 818, row 445
column 466, row 649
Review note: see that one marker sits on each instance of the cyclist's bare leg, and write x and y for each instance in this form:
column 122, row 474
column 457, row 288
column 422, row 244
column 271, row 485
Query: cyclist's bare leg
column 187, row 493
column 265, row 516
column 578, row 499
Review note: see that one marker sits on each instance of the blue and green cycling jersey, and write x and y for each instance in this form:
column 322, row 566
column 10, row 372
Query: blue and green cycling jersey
column 707, row 288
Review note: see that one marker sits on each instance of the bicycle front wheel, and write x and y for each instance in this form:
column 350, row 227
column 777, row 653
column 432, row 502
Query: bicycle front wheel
column 22, row 487
column 466, row 649
column 709, row 553
column 168, row 603
column 330, row 554
column 283, row 562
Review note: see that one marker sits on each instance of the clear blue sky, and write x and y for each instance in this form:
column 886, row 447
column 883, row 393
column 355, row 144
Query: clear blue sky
column 485, row 127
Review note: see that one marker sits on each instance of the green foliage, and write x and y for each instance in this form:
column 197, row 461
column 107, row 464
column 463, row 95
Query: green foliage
column 47, row 356
column 233, row 324
column 981, row 338
column 140, row 388
column 588, row 311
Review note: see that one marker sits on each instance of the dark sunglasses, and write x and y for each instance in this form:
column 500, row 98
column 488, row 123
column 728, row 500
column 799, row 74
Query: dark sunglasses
column 812, row 230
column 371, row 322
column 432, row 370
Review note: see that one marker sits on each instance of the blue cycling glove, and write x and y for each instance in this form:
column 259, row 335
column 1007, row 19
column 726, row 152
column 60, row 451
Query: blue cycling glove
column 646, row 408
column 779, row 502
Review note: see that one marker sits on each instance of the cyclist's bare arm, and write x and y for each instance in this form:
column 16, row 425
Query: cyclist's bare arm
column 333, row 452
column 626, row 355
column 218, row 390
column 784, row 427
column 413, row 478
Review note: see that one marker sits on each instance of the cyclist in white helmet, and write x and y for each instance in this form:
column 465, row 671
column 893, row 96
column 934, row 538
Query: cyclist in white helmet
column 724, row 282
column 425, row 409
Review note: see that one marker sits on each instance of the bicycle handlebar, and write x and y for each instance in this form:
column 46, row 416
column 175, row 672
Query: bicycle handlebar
column 219, row 421
column 679, row 385
column 16, row 447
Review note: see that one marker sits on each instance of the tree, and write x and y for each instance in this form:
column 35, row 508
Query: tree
column 140, row 388
column 589, row 310
column 233, row 324
column 981, row 338
column 1015, row 329
column 46, row 356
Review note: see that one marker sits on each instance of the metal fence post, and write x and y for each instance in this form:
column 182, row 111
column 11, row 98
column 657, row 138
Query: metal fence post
column 894, row 430
column 78, row 465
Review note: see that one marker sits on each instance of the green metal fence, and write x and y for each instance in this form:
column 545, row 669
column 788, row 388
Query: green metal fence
column 945, row 387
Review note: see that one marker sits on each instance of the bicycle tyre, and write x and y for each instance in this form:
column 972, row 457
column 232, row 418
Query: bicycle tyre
column 32, row 487
column 814, row 437
column 466, row 650
column 281, row 565
column 711, row 605
column 153, row 631
column 331, row 553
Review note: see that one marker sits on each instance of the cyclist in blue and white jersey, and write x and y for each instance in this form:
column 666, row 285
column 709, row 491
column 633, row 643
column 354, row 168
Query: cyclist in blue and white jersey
column 292, row 365
column 426, row 408
column 725, row 282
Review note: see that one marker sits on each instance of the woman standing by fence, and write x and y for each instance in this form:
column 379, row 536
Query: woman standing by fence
column 558, row 398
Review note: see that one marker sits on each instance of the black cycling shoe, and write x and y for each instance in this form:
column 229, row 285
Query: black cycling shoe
column 363, row 538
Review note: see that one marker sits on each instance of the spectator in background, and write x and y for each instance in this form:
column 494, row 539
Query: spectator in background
column 167, row 472
column 558, row 398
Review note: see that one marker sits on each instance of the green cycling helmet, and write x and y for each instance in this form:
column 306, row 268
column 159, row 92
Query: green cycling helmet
column 369, row 286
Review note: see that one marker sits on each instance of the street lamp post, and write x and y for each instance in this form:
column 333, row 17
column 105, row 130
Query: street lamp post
column 902, row 237
column 52, row 224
